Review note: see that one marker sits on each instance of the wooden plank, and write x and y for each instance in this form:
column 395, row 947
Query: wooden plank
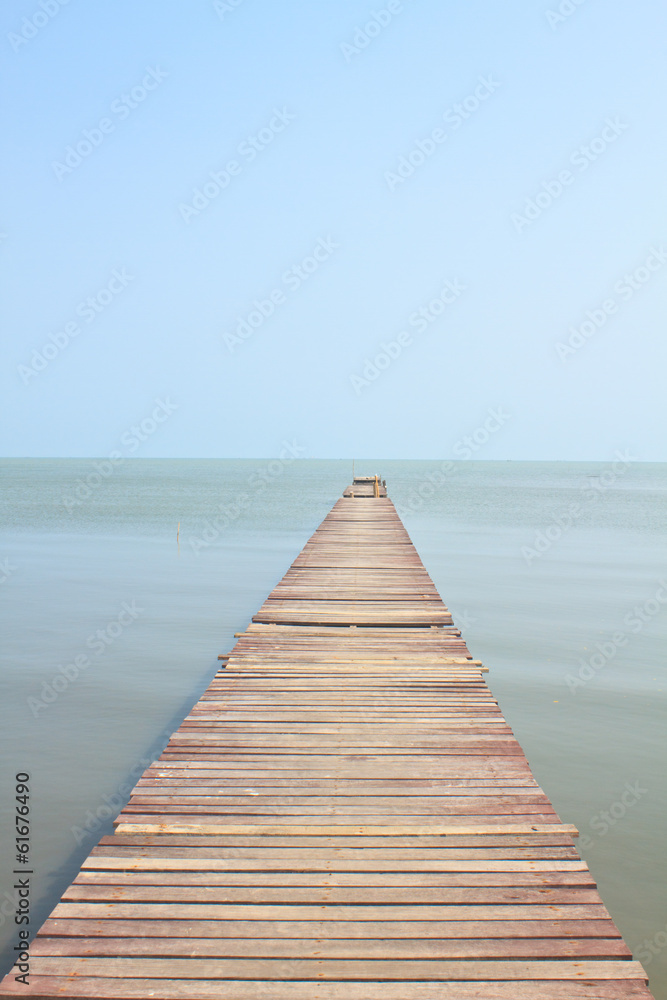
column 440, row 830
column 231, row 799
column 271, row 861
column 348, row 930
column 332, row 788
column 202, row 777
column 101, row 988
column 196, row 810
column 463, row 881
column 538, row 847
column 424, row 970
column 328, row 895
column 319, row 949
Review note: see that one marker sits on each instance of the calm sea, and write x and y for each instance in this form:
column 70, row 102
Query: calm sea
column 555, row 572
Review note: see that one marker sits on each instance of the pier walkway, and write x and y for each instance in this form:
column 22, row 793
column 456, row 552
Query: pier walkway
column 343, row 815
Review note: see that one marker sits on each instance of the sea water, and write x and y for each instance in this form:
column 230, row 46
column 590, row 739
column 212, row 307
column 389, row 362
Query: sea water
column 121, row 584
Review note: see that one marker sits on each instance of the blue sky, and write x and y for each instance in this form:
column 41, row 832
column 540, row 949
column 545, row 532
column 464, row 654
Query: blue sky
column 423, row 211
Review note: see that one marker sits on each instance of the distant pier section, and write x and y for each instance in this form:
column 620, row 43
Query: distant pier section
column 367, row 486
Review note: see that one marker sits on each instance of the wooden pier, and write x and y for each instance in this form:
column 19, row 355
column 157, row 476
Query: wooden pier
column 344, row 815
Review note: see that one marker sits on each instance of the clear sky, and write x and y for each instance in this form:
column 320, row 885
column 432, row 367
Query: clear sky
column 356, row 227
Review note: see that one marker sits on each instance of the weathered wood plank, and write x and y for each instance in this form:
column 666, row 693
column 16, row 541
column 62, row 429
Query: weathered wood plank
column 101, row 988
column 299, row 969
column 328, row 895
column 479, row 848
column 307, row 930
column 318, row 948
column 273, row 829
column 463, row 881
column 269, row 862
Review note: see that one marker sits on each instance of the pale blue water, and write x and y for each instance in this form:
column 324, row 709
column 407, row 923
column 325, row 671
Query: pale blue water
column 67, row 570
